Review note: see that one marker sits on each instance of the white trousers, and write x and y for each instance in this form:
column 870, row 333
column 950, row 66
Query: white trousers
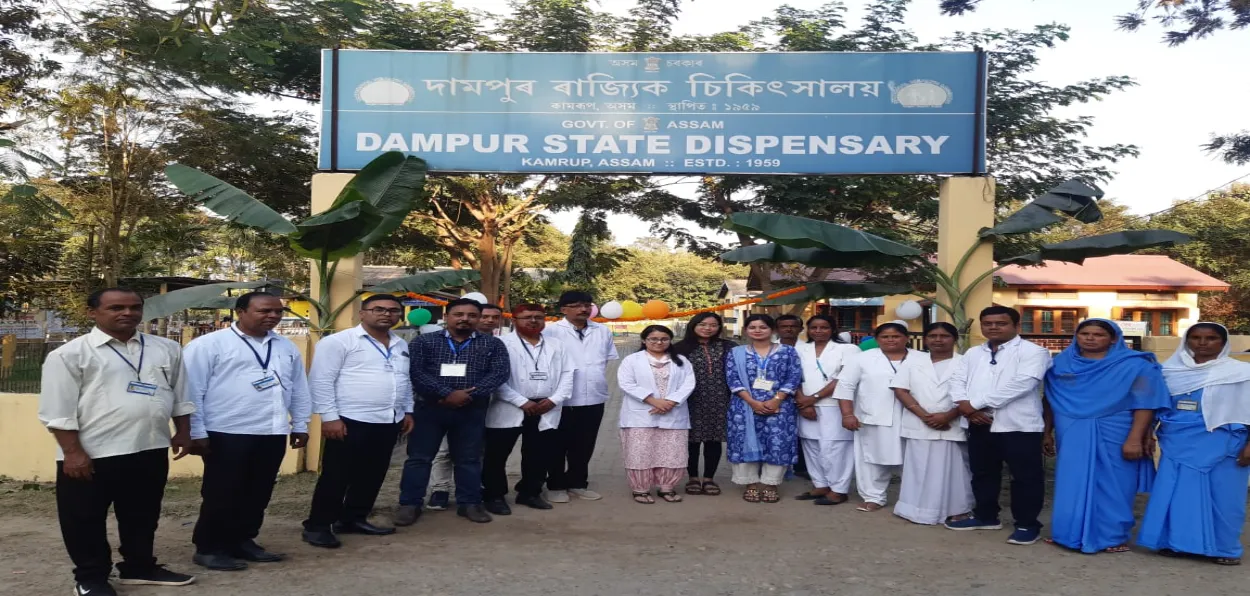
column 830, row 463
column 872, row 480
column 441, row 472
column 758, row 473
column 937, row 482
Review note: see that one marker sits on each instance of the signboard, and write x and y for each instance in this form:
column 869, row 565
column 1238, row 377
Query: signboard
column 657, row 113
column 1134, row 328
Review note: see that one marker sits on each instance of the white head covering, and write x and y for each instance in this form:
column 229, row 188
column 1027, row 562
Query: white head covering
column 1225, row 383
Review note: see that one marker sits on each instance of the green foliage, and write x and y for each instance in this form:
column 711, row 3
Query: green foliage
column 654, row 272
column 1220, row 226
column 22, row 62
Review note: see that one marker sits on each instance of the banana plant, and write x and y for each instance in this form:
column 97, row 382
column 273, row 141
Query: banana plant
column 370, row 207
column 822, row 244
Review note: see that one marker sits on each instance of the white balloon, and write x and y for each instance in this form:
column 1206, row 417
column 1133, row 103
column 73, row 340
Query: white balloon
column 612, row 310
column 430, row 328
column 909, row 310
column 478, row 296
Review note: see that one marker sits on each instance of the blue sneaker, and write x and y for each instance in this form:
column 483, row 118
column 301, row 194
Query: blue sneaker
column 973, row 523
column 439, row 501
column 1024, row 536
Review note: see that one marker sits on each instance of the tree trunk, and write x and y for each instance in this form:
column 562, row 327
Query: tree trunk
column 488, row 259
column 506, row 270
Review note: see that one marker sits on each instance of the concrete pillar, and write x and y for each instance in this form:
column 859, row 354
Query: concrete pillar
column 966, row 206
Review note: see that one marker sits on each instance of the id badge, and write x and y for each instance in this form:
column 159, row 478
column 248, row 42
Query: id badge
column 388, row 366
column 763, row 385
column 141, row 388
column 266, row 383
column 1187, row 405
column 538, row 375
column 453, row 370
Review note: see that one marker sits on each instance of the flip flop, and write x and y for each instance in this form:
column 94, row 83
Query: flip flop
column 643, row 499
column 870, row 507
column 670, row 496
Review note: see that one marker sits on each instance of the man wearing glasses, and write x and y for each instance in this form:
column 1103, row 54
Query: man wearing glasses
column 361, row 389
column 591, row 347
column 526, row 407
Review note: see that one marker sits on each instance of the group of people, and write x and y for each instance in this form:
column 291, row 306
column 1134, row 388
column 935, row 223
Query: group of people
column 239, row 398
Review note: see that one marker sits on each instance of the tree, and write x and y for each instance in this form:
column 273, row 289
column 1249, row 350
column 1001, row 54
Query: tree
column 29, row 250
column 1220, row 226
column 22, row 34
column 653, row 271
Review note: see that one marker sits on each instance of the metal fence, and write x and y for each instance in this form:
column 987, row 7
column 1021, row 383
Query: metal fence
column 22, row 365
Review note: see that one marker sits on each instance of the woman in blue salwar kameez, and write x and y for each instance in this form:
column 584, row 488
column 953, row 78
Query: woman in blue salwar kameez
column 1198, row 505
column 1101, row 397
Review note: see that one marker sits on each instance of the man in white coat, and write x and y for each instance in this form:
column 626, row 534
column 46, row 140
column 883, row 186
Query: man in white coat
column 526, row 407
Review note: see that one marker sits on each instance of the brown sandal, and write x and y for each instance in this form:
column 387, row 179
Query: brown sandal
column 1226, row 561
column 643, row 499
column 769, row 495
column 751, row 495
column 711, row 488
column 670, row 496
column 694, row 487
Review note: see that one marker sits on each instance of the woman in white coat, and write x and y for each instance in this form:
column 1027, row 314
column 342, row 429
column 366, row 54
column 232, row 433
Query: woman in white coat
column 826, row 444
column 937, row 483
column 870, row 410
column 655, row 420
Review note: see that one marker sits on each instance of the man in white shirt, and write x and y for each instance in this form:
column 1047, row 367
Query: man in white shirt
column 108, row 397
column 250, row 393
column 361, row 389
column 997, row 387
column 526, row 407
column 591, row 346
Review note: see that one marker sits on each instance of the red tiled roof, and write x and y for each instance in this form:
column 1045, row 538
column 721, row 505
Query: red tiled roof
column 1145, row 272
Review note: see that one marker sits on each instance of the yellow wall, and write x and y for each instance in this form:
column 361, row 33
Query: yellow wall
column 1100, row 304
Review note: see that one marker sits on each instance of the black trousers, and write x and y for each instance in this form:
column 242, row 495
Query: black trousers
column 536, row 448
column 574, row 446
column 352, row 472
column 133, row 485
column 239, row 474
column 712, row 451
column 1022, row 452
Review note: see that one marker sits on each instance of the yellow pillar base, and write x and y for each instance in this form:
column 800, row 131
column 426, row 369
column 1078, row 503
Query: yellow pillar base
column 966, row 205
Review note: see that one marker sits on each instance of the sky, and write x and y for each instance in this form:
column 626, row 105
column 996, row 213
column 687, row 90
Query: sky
column 1183, row 95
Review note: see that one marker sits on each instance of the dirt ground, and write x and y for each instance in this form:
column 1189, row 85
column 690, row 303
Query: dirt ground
column 703, row 546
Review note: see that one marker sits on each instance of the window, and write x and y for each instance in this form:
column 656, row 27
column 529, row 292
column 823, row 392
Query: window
column 852, row 318
column 1050, row 321
column 1158, row 321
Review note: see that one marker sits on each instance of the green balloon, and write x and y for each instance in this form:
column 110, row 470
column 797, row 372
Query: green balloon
column 418, row 317
column 868, row 344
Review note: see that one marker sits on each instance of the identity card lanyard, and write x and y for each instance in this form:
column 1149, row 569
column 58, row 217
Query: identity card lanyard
column 763, row 364
column 537, row 375
column 385, row 354
column 269, row 380
column 821, row 369
column 891, row 362
column 455, row 350
column 138, row 369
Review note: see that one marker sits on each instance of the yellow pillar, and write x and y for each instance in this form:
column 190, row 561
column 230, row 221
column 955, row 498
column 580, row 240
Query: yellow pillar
column 347, row 279
column 966, row 205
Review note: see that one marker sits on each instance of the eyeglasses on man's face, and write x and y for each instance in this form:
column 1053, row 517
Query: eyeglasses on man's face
column 385, row 311
column 659, row 340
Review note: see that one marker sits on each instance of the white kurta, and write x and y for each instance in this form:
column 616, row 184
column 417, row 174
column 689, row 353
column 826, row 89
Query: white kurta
column 937, row 482
column 817, row 373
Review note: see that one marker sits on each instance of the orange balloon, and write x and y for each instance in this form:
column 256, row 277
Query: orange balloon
column 655, row 309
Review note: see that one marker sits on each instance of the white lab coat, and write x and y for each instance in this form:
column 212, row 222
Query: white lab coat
column 637, row 382
column 931, row 388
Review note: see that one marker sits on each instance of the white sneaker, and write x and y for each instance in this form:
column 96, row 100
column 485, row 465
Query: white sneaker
column 585, row 494
column 557, row 496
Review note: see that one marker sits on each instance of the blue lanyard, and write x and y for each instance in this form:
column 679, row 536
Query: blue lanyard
column 138, row 369
column 821, row 368
column 377, row 346
column 455, row 350
column 264, row 364
column 763, row 364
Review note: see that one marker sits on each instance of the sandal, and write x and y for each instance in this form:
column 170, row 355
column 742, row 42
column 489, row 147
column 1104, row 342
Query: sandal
column 769, row 495
column 711, row 488
column 670, row 496
column 643, row 498
column 694, row 487
column 1226, row 561
column 870, row 507
column 1123, row 548
column 751, row 495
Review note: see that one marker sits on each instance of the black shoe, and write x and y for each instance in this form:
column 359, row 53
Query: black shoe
column 534, row 502
column 218, row 562
column 362, row 527
column 156, row 576
column 474, row 513
column 439, row 501
column 498, row 507
column 407, row 515
column 94, row 588
column 248, row 550
column 321, row 538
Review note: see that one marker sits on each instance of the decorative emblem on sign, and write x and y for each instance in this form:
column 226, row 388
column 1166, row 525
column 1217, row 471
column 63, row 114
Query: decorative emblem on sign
column 651, row 124
column 920, row 93
column 653, row 64
column 384, row 92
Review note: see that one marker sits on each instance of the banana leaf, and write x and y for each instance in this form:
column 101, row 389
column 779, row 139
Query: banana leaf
column 835, row 289
column 1115, row 243
column 336, row 234
column 393, row 184
column 208, row 296
column 428, row 282
column 227, row 200
column 1072, row 198
column 814, row 257
column 801, row 232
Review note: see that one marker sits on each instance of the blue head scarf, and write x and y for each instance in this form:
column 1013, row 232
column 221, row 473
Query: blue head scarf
column 1124, row 379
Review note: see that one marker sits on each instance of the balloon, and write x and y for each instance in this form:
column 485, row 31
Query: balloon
column 632, row 309
column 845, row 337
column 594, row 311
column 478, row 296
column 612, row 310
column 655, row 309
column 430, row 329
column 868, row 344
column 419, row 316
column 909, row 310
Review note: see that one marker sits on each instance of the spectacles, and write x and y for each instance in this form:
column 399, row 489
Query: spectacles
column 659, row 340
column 385, row 311
column 533, row 318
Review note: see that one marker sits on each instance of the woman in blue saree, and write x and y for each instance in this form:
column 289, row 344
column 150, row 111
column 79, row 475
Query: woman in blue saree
column 1102, row 398
column 1198, row 504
